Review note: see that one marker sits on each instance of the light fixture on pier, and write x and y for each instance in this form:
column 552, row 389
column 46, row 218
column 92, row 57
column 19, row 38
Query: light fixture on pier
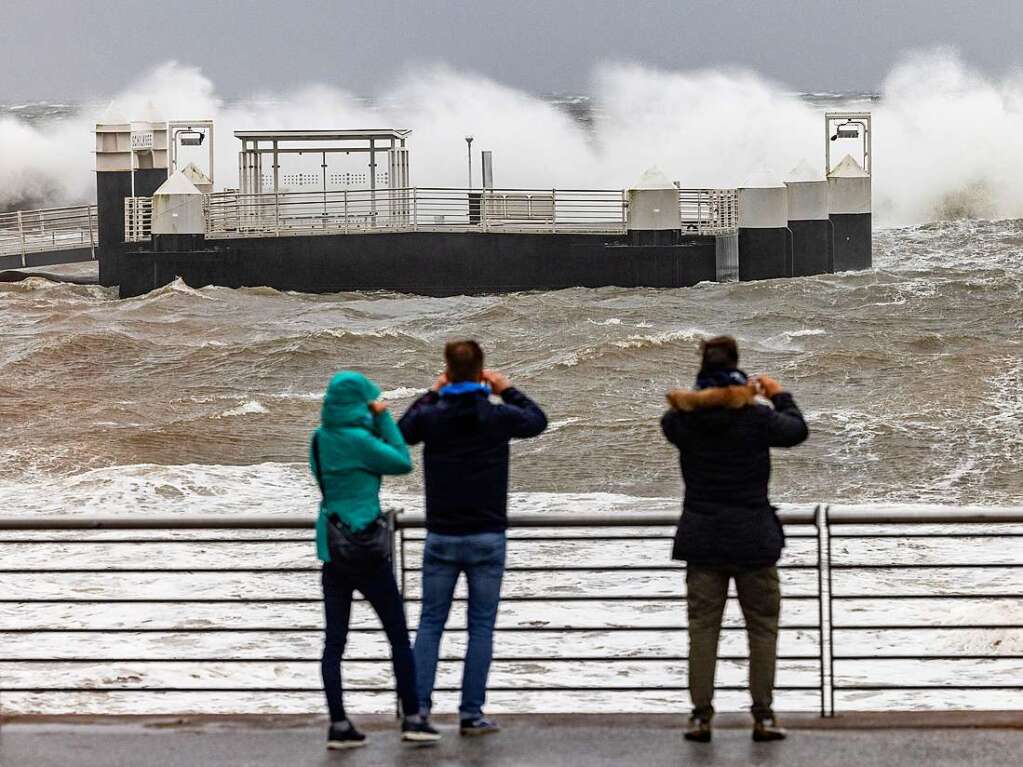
column 191, row 137
column 468, row 148
column 845, row 131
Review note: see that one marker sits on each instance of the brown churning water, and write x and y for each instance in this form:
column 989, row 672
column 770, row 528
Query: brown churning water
column 199, row 399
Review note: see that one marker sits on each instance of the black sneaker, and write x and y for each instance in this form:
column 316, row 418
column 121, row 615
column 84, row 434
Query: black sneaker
column 417, row 729
column 344, row 735
column 699, row 730
column 766, row 730
column 478, row 726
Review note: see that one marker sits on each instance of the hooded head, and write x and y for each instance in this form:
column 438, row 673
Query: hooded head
column 347, row 399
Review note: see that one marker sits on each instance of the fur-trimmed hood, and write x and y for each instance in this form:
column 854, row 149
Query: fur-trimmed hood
column 730, row 397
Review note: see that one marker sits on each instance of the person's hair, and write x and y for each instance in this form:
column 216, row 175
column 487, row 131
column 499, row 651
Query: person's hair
column 718, row 353
column 464, row 360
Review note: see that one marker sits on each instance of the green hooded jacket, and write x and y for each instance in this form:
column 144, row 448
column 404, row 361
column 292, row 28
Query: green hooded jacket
column 356, row 448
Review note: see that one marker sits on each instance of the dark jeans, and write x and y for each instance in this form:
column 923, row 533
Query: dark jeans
column 481, row 557
column 381, row 592
column 760, row 598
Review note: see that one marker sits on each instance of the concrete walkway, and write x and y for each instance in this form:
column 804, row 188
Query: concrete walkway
column 527, row 741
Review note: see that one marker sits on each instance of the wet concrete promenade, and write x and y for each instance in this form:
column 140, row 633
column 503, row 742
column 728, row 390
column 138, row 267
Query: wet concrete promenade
column 892, row 740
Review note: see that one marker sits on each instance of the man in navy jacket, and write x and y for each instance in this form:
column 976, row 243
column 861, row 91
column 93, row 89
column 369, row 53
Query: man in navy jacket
column 465, row 466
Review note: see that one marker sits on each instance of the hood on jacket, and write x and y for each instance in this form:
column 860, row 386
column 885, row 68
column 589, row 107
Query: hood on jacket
column 728, row 397
column 346, row 400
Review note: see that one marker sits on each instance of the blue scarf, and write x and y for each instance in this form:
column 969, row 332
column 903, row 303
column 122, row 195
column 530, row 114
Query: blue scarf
column 708, row 380
column 464, row 387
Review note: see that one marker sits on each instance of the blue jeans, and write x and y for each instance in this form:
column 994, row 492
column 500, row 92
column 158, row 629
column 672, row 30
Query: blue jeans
column 481, row 558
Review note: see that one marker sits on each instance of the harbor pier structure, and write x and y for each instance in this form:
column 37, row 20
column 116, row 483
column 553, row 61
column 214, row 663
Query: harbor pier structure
column 337, row 210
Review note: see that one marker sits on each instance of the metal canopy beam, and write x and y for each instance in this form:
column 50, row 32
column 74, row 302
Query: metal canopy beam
column 323, row 135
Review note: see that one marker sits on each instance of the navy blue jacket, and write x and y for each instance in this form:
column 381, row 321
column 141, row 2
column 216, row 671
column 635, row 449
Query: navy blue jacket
column 724, row 438
column 465, row 455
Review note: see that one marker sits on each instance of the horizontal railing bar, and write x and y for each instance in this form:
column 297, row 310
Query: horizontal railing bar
column 927, row 627
column 923, row 514
column 378, row 659
column 850, row 597
column 793, row 516
column 318, row 600
column 316, row 569
column 362, row 629
column 906, row 687
column 267, row 690
column 928, row 566
column 903, row 536
column 925, row 657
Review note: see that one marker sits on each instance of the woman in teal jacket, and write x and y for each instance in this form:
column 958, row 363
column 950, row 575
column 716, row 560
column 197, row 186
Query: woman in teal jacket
column 356, row 444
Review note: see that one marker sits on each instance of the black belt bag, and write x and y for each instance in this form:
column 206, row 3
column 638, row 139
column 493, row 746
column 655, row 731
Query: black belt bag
column 355, row 550
column 359, row 550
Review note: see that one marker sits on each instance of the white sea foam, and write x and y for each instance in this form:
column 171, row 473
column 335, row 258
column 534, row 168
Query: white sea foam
column 936, row 122
column 251, row 407
column 402, row 392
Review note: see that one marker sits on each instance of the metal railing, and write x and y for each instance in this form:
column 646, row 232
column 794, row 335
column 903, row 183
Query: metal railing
column 709, row 211
column 100, row 611
column 50, row 229
column 231, row 214
column 138, row 219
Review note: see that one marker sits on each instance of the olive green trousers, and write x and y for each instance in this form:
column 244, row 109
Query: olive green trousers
column 760, row 599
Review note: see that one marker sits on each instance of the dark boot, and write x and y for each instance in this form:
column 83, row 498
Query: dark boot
column 699, row 730
column 766, row 730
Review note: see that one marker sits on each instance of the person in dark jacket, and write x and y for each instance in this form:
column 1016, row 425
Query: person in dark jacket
column 729, row 530
column 465, row 465
column 356, row 444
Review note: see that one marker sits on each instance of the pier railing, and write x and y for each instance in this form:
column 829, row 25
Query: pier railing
column 908, row 607
column 138, row 218
column 437, row 209
column 709, row 211
column 230, row 214
column 24, row 232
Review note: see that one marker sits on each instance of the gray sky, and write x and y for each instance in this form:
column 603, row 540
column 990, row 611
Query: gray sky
column 77, row 49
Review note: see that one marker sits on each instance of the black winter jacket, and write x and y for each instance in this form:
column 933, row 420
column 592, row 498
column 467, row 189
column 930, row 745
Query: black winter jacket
column 465, row 456
column 724, row 438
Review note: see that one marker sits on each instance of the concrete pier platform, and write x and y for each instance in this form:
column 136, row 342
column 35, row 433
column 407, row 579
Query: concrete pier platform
column 863, row 740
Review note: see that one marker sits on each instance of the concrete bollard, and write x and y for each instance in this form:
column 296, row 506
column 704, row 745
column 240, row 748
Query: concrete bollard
column 765, row 242
column 178, row 221
column 850, row 213
column 653, row 214
column 809, row 222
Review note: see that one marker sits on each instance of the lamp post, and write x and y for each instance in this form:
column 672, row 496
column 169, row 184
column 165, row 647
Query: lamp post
column 468, row 148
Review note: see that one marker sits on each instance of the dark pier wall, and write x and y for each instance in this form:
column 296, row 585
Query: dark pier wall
column 853, row 241
column 111, row 189
column 764, row 253
column 812, row 247
column 426, row 263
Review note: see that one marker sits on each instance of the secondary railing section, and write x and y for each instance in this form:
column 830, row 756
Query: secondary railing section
column 138, row 218
column 709, row 211
column 229, row 214
column 23, row 232
column 883, row 608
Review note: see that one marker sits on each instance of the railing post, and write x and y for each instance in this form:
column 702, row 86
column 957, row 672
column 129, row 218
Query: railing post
column 92, row 238
column 821, row 607
column 828, row 561
column 21, row 237
column 346, row 210
column 277, row 212
column 554, row 210
column 415, row 228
